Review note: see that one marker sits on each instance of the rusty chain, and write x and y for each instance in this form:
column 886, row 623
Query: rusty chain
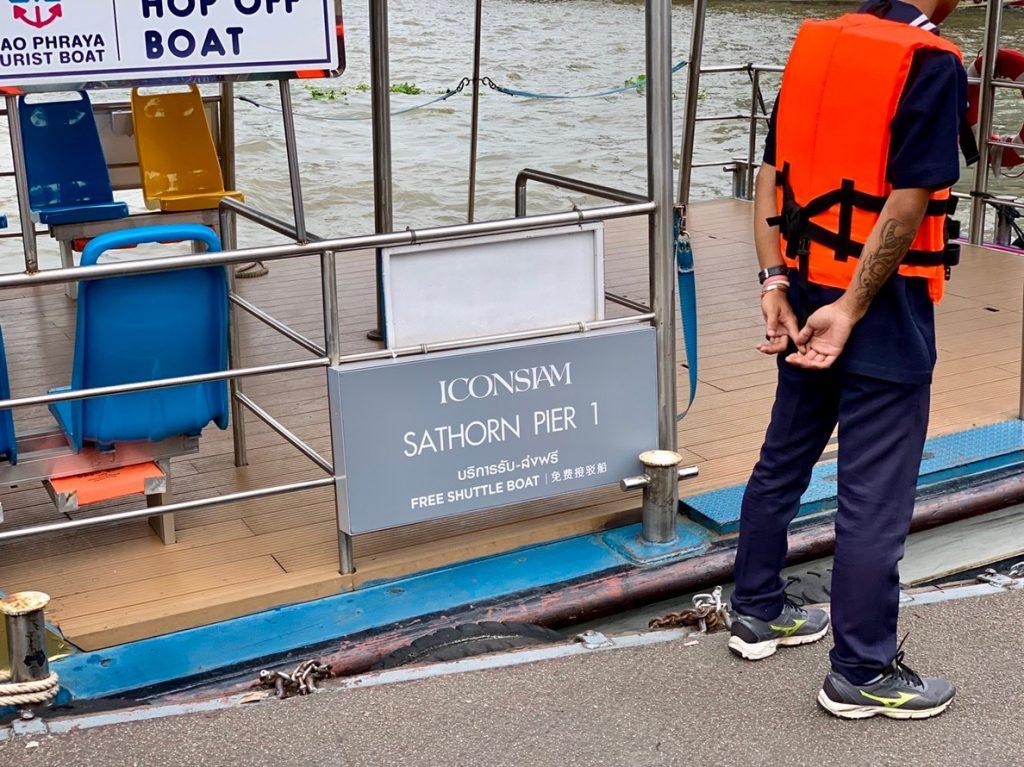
column 302, row 681
column 708, row 614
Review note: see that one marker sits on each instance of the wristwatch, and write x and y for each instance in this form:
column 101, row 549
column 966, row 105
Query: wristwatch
column 771, row 271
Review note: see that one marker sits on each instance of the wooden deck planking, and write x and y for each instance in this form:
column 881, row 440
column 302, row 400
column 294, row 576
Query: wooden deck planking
column 115, row 584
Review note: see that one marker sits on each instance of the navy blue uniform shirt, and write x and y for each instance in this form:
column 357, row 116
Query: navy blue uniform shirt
column 895, row 340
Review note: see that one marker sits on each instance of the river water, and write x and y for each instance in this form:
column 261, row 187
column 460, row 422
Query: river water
column 549, row 46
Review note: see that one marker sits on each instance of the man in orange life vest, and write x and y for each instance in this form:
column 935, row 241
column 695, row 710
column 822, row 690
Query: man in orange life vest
column 851, row 230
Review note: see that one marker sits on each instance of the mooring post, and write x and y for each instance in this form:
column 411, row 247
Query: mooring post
column 26, row 635
column 660, row 483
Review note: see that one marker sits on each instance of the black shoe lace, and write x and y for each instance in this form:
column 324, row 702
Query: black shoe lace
column 792, row 600
column 901, row 669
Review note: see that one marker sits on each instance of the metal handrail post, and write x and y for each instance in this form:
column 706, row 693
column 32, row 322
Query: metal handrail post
column 228, row 229
column 28, row 227
column 329, row 291
column 1020, row 409
column 700, row 9
column 332, row 340
column 755, row 89
column 292, row 151
column 227, row 135
column 229, row 238
column 661, row 240
column 380, row 107
column 986, row 102
column 474, row 132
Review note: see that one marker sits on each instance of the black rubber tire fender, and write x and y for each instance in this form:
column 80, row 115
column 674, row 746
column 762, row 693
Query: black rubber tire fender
column 811, row 587
column 469, row 640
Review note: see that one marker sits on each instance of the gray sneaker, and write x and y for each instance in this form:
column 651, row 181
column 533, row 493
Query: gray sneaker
column 899, row 694
column 755, row 639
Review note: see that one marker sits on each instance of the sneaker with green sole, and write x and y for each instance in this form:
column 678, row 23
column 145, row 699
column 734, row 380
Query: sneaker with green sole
column 755, row 639
column 898, row 693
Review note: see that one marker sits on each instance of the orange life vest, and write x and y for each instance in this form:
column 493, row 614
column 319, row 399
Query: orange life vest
column 840, row 92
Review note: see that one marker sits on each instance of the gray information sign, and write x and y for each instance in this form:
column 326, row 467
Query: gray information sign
column 458, row 432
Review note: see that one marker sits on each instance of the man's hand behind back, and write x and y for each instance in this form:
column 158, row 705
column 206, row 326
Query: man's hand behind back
column 823, row 338
column 780, row 323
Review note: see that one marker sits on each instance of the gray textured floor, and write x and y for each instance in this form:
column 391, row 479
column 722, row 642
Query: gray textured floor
column 664, row 704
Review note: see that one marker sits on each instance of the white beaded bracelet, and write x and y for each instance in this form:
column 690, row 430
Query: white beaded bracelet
column 774, row 286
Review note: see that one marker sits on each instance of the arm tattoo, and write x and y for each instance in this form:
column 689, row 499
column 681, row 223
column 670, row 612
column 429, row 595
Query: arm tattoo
column 877, row 267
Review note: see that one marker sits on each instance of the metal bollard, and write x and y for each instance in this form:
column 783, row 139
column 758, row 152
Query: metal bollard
column 740, row 180
column 660, row 483
column 26, row 635
column 1005, row 216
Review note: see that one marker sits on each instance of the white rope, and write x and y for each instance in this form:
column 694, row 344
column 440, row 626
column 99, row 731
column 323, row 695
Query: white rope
column 27, row 693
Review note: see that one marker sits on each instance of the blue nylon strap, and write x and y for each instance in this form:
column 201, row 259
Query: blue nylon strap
column 687, row 303
column 632, row 86
column 342, row 118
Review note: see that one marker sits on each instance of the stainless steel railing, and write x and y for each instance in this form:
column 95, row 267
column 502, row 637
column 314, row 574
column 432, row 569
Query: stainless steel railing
column 656, row 206
column 329, row 250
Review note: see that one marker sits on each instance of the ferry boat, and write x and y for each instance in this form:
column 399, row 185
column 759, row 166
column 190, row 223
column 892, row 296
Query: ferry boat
column 227, row 483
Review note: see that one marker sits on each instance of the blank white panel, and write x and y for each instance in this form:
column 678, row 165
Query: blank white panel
column 495, row 284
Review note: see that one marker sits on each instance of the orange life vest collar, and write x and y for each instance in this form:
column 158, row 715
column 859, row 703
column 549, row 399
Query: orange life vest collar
column 840, row 92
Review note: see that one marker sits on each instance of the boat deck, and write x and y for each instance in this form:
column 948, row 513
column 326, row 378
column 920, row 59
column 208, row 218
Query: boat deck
column 114, row 584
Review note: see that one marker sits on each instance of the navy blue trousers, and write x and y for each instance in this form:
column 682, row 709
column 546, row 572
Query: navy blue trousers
column 882, row 429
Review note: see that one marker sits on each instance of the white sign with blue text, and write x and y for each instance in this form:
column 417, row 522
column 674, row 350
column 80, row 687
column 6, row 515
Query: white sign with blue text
column 45, row 42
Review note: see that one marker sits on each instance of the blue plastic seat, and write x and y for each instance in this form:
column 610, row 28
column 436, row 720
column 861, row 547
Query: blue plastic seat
column 8, row 443
column 143, row 328
column 67, row 173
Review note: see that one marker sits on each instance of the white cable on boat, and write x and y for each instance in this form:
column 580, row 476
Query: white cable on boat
column 27, row 693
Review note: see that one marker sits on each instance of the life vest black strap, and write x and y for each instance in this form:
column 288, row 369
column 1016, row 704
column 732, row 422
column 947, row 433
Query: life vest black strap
column 844, row 242
column 794, row 221
column 832, row 241
column 847, row 193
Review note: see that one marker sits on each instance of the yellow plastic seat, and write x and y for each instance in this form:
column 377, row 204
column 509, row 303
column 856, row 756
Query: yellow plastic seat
column 177, row 155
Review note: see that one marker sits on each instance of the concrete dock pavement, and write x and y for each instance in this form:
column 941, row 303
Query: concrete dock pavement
column 673, row 703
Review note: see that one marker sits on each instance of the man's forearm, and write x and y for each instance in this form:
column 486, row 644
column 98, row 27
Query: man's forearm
column 886, row 248
column 766, row 238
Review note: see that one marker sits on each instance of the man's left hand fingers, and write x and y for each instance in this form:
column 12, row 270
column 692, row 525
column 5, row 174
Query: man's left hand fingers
column 811, row 360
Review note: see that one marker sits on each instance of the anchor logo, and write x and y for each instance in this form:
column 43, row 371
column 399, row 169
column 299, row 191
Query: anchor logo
column 37, row 17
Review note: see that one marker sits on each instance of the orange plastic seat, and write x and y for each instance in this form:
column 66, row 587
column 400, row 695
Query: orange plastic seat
column 177, row 156
column 108, row 485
